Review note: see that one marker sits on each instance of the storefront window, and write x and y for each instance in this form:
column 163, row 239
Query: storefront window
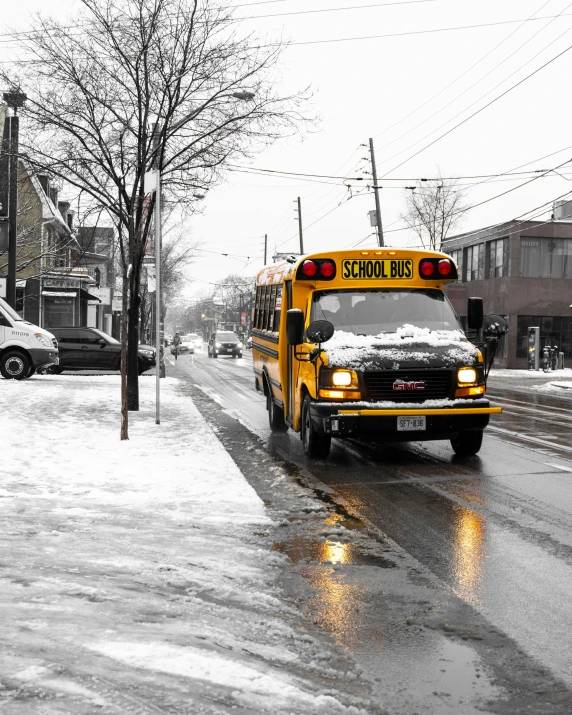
column 554, row 331
column 546, row 257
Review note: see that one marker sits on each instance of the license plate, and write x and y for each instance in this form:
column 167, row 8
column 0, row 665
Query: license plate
column 411, row 424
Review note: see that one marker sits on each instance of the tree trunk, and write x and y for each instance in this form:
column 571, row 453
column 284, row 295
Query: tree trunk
column 133, row 336
column 124, row 401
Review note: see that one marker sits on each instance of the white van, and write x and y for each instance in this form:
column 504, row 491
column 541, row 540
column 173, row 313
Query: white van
column 23, row 346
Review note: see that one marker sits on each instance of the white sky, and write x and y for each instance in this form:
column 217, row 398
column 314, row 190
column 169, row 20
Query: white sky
column 368, row 87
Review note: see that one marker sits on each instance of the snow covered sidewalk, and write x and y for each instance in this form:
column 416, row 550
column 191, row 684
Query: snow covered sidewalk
column 135, row 577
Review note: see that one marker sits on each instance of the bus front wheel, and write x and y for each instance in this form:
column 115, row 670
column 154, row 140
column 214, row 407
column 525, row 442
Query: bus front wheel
column 316, row 444
column 467, row 443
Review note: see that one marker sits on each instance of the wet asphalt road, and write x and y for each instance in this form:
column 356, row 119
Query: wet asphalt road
column 495, row 530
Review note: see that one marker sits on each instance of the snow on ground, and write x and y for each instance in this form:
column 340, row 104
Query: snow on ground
column 135, row 575
column 531, row 374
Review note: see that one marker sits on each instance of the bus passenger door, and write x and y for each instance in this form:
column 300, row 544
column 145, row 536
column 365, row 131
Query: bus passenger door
column 289, row 387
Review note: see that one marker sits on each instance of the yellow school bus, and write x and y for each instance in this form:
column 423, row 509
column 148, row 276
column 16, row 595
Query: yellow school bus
column 365, row 344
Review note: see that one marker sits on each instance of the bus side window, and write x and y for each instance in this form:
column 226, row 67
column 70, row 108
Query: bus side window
column 271, row 308
column 266, row 308
column 259, row 307
column 277, row 308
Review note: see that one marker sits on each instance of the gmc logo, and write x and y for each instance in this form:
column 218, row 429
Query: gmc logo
column 409, row 385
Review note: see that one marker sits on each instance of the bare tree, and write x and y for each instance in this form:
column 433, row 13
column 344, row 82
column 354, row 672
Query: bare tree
column 434, row 208
column 177, row 254
column 135, row 84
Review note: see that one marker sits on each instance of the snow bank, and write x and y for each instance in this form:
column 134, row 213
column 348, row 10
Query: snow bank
column 408, row 343
column 136, row 576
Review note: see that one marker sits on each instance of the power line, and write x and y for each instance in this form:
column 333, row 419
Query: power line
column 478, row 62
column 415, row 32
column 468, row 89
column 361, row 38
column 474, row 114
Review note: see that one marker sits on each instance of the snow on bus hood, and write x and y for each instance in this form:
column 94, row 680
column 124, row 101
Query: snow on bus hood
column 409, row 347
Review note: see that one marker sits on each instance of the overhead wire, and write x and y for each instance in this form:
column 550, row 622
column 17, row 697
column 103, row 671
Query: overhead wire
column 474, row 84
column 474, row 114
column 459, row 77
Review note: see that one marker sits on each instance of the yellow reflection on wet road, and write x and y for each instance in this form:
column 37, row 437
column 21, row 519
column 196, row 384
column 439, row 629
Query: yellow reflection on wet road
column 336, row 553
column 469, row 553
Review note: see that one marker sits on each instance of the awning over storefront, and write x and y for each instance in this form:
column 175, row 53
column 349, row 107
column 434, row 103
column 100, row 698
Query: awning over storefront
column 60, row 293
column 84, row 295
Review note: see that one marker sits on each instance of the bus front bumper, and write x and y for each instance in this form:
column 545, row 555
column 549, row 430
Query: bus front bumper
column 347, row 420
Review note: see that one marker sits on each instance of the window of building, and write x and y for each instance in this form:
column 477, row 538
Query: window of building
column 545, row 257
column 474, row 262
column 497, row 258
column 554, row 330
column 457, row 256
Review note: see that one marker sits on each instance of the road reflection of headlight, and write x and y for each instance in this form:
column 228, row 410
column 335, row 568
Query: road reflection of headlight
column 469, row 553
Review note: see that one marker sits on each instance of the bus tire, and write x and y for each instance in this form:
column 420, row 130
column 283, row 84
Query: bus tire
column 467, row 443
column 316, row 445
column 275, row 414
column 14, row 365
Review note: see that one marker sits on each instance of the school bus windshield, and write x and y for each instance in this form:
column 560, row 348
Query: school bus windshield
column 371, row 312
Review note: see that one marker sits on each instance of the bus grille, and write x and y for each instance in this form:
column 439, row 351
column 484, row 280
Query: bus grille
column 380, row 385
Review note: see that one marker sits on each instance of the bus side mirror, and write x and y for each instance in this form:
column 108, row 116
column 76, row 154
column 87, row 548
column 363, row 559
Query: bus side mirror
column 475, row 313
column 295, row 326
column 494, row 326
column 320, row 331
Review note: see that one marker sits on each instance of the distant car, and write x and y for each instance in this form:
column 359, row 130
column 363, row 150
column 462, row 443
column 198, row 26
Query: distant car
column 92, row 349
column 186, row 347
column 196, row 339
column 224, row 342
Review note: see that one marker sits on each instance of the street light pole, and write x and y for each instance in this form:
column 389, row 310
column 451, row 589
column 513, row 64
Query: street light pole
column 158, row 294
column 14, row 99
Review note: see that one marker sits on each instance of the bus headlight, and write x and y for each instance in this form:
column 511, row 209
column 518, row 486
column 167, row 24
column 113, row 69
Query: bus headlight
column 467, row 376
column 342, row 378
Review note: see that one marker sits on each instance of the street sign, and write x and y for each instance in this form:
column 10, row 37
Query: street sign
column 372, row 217
column 117, row 305
column 3, row 282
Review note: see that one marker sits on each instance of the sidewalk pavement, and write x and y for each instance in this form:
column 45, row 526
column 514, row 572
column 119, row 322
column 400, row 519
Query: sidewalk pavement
column 135, row 575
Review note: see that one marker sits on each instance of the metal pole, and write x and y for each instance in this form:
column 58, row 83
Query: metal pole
column 265, row 246
column 300, row 227
column 12, row 212
column 158, row 297
column 376, row 192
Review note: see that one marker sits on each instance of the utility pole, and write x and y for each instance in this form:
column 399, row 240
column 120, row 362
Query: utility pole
column 300, row 227
column 265, row 246
column 376, row 192
column 14, row 99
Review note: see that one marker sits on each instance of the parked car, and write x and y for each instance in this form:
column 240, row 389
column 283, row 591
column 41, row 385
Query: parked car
column 92, row 349
column 24, row 347
column 223, row 342
column 248, row 343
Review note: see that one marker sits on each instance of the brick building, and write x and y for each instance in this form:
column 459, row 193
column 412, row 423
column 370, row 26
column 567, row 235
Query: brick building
column 523, row 271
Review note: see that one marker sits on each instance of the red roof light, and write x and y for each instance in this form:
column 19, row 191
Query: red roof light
column 309, row 269
column 444, row 267
column 427, row 268
column 327, row 269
